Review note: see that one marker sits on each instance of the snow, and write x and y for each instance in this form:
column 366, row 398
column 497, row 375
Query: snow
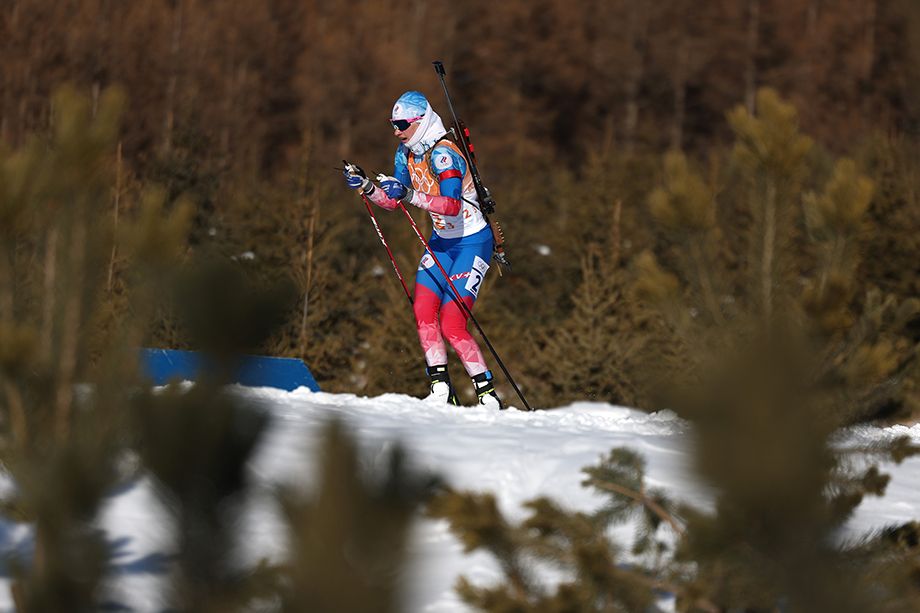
column 516, row 455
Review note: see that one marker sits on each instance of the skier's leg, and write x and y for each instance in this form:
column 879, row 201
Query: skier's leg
column 441, row 389
column 426, row 305
column 454, row 328
column 429, row 290
column 467, row 272
column 485, row 390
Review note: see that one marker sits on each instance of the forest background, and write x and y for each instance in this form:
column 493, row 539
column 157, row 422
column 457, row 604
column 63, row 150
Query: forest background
column 245, row 108
column 710, row 207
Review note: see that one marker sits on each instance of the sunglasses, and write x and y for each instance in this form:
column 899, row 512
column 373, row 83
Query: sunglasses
column 403, row 124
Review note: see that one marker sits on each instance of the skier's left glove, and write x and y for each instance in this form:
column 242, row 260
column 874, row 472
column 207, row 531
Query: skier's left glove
column 394, row 189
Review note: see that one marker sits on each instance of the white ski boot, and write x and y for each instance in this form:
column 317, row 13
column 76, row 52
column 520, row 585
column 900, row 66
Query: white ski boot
column 441, row 390
column 486, row 391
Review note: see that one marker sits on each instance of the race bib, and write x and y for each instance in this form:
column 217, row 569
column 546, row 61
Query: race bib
column 477, row 274
column 426, row 262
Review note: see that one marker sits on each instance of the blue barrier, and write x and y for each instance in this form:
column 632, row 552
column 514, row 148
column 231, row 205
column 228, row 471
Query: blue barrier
column 164, row 365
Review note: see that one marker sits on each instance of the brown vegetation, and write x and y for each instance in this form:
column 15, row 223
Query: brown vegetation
column 246, row 107
column 680, row 183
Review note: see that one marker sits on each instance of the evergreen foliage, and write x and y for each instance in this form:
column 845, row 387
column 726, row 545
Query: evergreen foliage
column 75, row 426
column 196, row 445
column 60, row 442
column 595, row 575
column 577, row 359
column 247, row 108
column 349, row 539
column 766, row 378
column 392, row 340
column 767, row 293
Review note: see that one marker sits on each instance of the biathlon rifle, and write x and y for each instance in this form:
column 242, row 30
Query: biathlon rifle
column 486, row 202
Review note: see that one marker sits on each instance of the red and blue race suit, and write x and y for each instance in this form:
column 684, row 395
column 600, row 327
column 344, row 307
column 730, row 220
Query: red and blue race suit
column 461, row 241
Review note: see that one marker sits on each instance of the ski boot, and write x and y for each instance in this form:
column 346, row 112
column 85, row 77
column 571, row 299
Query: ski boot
column 485, row 389
column 441, row 389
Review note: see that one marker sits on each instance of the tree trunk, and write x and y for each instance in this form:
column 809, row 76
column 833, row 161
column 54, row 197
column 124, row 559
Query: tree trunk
column 6, row 104
column 871, row 17
column 95, row 93
column 679, row 80
column 418, row 25
column 615, row 238
column 70, row 330
column 7, row 283
column 172, row 84
column 308, row 256
column 637, row 35
column 753, row 41
column 807, row 79
column 345, row 140
column 312, row 201
column 18, row 423
column 769, row 250
column 811, row 17
column 117, row 199
column 49, row 302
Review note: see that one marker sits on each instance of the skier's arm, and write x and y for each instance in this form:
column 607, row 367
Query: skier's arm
column 381, row 197
column 445, row 205
column 449, row 168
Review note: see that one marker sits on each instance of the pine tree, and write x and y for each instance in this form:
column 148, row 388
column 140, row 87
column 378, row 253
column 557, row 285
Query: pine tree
column 762, row 407
column 591, row 353
column 59, row 444
column 392, row 352
column 766, row 377
column 597, row 576
column 349, row 540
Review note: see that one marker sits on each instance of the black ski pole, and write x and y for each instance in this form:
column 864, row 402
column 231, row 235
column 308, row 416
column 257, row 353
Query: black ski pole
column 486, row 202
column 466, row 309
column 485, row 197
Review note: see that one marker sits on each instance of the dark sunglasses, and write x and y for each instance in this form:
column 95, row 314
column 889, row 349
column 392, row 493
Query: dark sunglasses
column 403, row 124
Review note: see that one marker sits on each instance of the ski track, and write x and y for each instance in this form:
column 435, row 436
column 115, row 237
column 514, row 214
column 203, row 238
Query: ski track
column 516, row 455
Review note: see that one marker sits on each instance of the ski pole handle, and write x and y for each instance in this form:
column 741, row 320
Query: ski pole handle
column 439, row 68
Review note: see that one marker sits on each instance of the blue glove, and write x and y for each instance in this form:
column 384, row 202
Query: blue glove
column 353, row 181
column 356, row 178
column 394, row 189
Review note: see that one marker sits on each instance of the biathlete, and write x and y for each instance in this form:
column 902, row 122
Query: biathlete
column 431, row 173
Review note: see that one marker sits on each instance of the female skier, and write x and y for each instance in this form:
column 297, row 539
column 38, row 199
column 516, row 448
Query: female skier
column 431, row 173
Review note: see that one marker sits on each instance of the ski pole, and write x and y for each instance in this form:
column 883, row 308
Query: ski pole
column 383, row 241
column 466, row 309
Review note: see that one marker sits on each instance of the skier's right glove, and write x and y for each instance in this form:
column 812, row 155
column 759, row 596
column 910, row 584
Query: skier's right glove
column 356, row 178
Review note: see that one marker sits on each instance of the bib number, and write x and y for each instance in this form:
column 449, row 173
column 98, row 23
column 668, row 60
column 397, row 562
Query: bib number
column 477, row 274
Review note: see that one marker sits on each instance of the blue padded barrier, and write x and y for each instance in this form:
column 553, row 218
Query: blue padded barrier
column 164, row 365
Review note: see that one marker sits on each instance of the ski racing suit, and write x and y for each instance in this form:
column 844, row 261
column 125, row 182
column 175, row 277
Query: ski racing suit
column 461, row 241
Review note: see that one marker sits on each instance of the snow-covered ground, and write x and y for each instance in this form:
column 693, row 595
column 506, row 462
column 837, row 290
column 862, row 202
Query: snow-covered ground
column 514, row 454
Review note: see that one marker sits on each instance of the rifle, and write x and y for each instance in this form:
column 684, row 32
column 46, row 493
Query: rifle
column 486, row 202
